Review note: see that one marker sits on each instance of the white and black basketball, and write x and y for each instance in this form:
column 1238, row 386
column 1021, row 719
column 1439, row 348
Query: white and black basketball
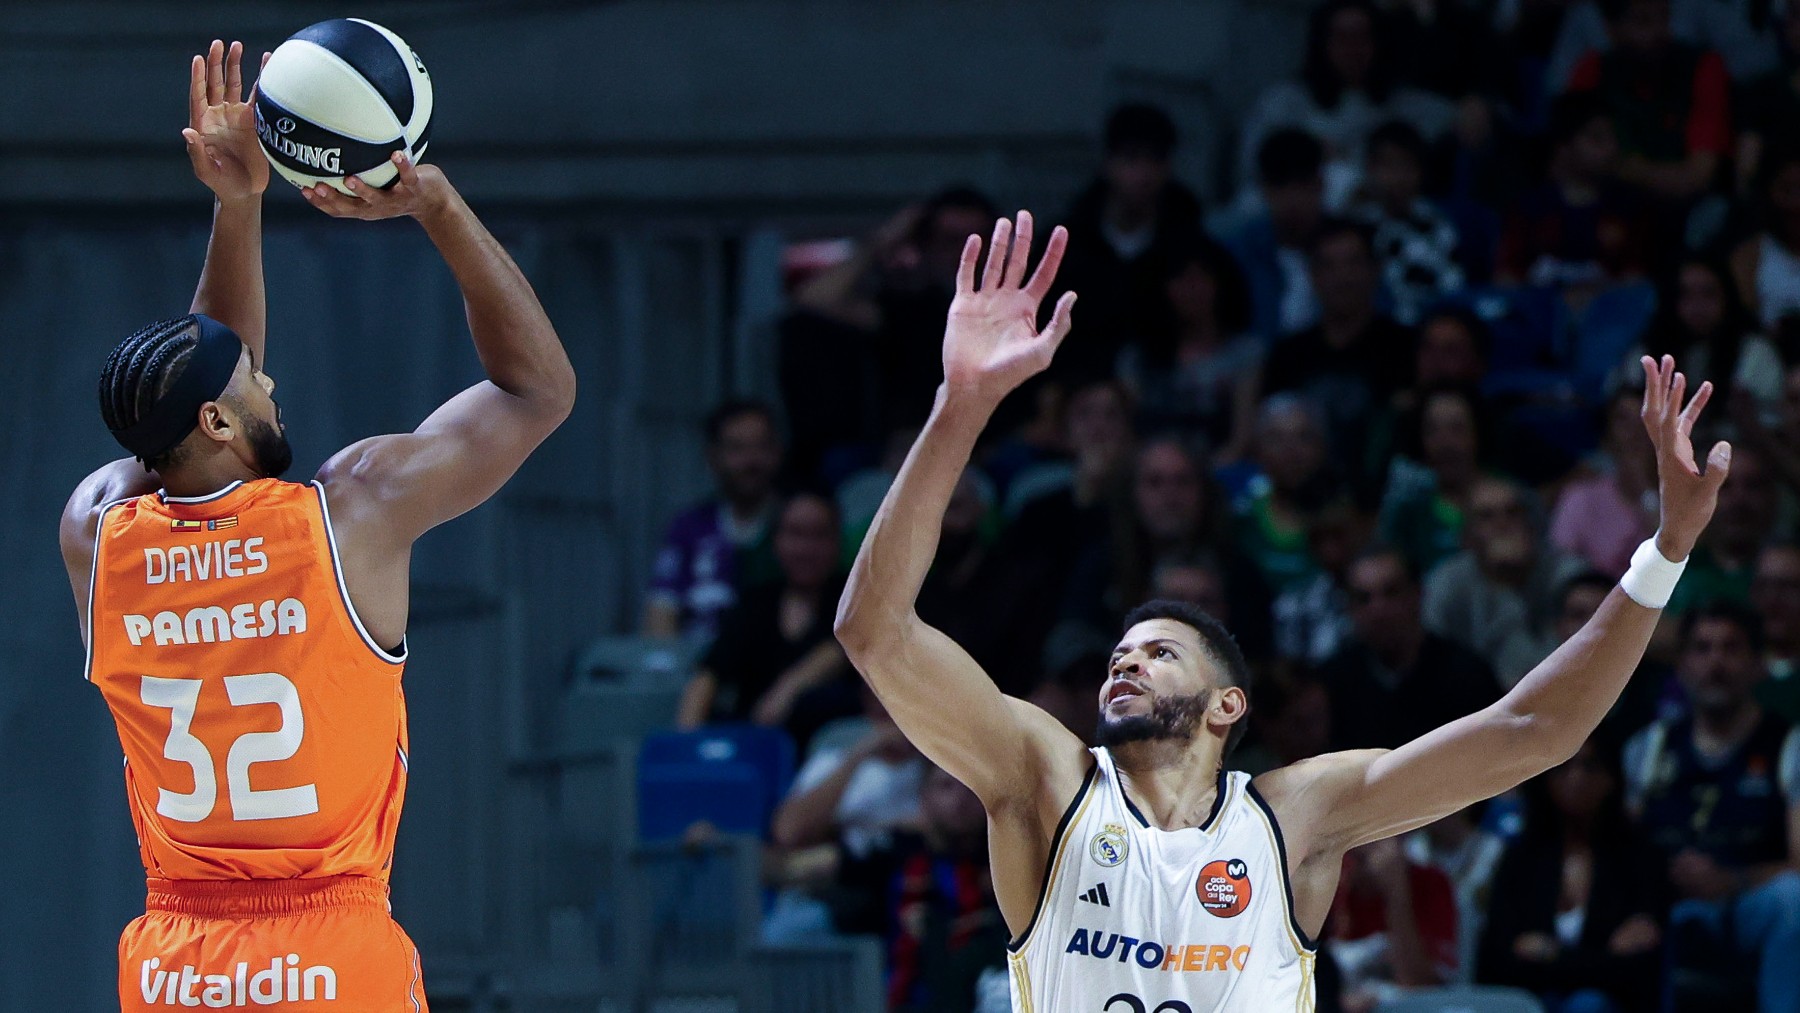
column 339, row 98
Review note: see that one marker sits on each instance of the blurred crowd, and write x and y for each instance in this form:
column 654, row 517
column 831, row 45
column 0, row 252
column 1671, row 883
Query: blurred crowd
column 1379, row 414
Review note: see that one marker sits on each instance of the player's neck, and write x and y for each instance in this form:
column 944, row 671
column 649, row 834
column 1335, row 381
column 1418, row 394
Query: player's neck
column 1173, row 784
column 206, row 476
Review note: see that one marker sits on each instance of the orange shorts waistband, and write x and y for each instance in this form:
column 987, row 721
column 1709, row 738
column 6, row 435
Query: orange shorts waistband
column 236, row 898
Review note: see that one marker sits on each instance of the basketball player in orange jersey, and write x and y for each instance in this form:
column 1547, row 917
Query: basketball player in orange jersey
column 1142, row 876
column 248, row 634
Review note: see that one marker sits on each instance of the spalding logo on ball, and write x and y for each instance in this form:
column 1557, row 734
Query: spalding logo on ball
column 339, row 98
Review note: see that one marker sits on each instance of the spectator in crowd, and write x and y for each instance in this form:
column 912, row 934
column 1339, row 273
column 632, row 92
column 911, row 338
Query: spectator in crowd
column 1670, row 102
column 1055, row 530
column 1355, row 359
column 929, row 897
column 1452, row 352
column 1497, row 597
column 1768, row 105
column 1272, row 247
column 1524, row 42
column 1396, row 680
column 1441, row 46
column 1775, row 594
column 1742, row 32
column 1579, row 918
column 854, row 794
column 1346, row 88
column 1415, row 243
column 1603, row 517
column 1775, row 434
column 1717, row 792
column 1312, row 619
column 1766, row 266
column 1125, row 232
column 775, row 661
column 721, row 543
column 863, row 350
column 1462, row 848
column 1392, row 926
column 1204, row 383
column 1175, row 511
column 1653, row 691
column 1429, row 483
column 1271, row 522
column 1581, row 228
column 1292, row 723
column 1067, row 692
column 973, row 595
column 1704, row 325
column 1724, row 561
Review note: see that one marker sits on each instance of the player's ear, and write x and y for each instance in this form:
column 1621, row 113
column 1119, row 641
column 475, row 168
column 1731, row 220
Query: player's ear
column 217, row 422
column 1229, row 706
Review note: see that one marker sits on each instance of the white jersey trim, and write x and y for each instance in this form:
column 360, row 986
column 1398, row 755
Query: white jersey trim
column 1302, row 941
column 1053, row 863
column 337, row 569
column 208, row 498
column 87, row 665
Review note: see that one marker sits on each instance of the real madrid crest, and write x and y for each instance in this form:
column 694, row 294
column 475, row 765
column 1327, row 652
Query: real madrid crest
column 1110, row 846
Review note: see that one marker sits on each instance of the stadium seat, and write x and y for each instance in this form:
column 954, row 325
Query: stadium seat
column 1464, row 999
column 1612, row 323
column 731, row 776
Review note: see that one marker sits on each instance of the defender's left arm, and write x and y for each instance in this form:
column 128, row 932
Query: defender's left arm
column 1343, row 800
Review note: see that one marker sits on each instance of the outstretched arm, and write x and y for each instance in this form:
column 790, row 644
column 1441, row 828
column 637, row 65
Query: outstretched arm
column 1347, row 799
column 466, row 450
column 221, row 145
column 1002, row 748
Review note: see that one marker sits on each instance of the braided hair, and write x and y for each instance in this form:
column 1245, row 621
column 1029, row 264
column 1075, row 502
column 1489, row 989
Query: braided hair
column 140, row 370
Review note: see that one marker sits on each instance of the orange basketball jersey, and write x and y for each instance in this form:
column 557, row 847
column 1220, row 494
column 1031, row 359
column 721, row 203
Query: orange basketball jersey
column 264, row 731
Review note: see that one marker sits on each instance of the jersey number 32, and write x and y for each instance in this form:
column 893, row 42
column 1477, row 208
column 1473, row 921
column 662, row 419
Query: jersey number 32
column 181, row 697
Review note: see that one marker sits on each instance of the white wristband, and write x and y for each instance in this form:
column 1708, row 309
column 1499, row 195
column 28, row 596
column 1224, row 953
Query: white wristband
column 1651, row 578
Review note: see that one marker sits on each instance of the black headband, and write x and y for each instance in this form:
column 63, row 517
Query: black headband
column 203, row 378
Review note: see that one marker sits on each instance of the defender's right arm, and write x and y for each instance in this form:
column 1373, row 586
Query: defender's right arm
column 1014, row 756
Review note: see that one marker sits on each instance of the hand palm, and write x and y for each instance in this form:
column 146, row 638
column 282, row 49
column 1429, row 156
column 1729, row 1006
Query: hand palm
column 991, row 340
column 221, row 131
column 1688, row 494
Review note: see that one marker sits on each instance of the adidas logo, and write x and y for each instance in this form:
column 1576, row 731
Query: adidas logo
column 1097, row 896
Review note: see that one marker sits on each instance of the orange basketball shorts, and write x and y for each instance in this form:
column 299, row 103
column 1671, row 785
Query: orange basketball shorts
column 296, row 944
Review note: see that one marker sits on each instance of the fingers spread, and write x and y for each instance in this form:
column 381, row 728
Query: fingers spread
column 215, row 73
column 1045, row 275
column 234, row 72
column 1691, row 413
column 965, row 268
column 996, row 258
column 196, row 91
column 1060, row 321
column 1021, row 251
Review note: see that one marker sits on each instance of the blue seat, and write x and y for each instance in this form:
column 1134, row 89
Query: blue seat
column 1612, row 323
column 1527, row 322
column 732, row 776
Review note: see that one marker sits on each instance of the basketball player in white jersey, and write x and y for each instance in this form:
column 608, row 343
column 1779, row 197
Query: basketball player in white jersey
column 1142, row 876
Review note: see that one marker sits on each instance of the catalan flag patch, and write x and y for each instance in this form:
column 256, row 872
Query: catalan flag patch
column 221, row 523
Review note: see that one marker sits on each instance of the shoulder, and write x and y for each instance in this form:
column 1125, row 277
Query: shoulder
column 1299, row 795
column 105, row 487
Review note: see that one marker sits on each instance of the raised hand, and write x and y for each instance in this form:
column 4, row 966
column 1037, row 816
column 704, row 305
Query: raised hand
column 991, row 342
column 1688, row 494
column 420, row 190
column 221, row 130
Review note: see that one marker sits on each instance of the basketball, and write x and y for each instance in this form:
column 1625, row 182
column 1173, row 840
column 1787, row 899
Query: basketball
column 339, row 98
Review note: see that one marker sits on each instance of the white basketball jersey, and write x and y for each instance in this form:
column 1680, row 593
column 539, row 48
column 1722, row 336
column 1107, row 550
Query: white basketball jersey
column 1133, row 919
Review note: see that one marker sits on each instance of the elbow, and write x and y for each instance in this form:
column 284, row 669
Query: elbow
column 861, row 627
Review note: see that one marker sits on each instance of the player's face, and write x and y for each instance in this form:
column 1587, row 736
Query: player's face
column 251, row 397
column 1159, row 685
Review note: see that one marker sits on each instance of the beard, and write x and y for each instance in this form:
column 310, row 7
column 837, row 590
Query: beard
column 1171, row 717
column 269, row 445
